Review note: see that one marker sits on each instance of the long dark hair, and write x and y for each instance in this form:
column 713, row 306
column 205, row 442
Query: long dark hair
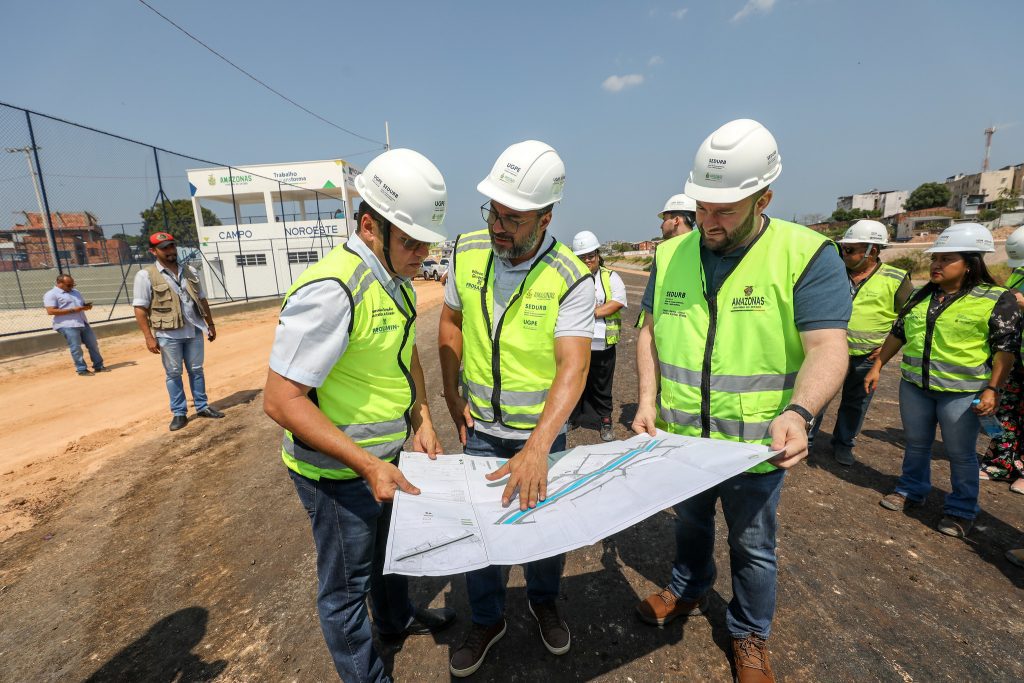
column 977, row 273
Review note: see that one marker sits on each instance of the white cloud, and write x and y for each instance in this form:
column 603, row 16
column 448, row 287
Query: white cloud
column 752, row 6
column 617, row 83
column 680, row 13
column 655, row 61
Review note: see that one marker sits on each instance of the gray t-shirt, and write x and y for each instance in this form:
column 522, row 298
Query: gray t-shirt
column 821, row 298
column 575, row 317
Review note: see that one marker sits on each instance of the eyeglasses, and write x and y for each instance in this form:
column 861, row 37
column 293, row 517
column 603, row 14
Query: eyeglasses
column 590, row 257
column 850, row 250
column 510, row 225
column 411, row 244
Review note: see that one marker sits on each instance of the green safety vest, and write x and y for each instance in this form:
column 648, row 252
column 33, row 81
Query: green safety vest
column 951, row 351
column 369, row 392
column 613, row 322
column 640, row 319
column 729, row 362
column 874, row 309
column 508, row 367
column 1016, row 279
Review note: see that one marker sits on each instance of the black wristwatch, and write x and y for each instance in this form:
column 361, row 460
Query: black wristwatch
column 802, row 412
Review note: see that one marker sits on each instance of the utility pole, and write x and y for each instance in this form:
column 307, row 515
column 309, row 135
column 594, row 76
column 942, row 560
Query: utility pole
column 39, row 201
column 988, row 146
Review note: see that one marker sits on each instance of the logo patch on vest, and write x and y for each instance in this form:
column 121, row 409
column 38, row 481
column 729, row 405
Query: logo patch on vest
column 749, row 301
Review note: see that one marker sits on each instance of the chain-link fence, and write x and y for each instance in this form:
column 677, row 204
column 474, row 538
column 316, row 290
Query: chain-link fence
column 80, row 201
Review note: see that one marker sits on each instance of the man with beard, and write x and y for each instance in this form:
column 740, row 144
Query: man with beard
column 172, row 312
column 739, row 352
column 518, row 317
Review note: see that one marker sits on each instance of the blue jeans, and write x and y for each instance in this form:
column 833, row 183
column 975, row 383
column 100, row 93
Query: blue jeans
column 486, row 586
column 921, row 410
column 749, row 502
column 75, row 337
column 853, row 405
column 350, row 532
column 176, row 353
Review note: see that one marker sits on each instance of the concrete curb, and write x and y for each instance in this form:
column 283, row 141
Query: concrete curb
column 39, row 342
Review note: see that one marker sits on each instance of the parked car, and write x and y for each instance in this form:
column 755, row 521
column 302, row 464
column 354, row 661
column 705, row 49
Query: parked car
column 433, row 270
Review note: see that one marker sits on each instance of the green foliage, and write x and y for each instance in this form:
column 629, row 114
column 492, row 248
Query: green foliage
column 854, row 214
column 912, row 261
column 180, row 220
column 999, row 271
column 927, row 196
column 1006, row 201
column 131, row 240
column 988, row 215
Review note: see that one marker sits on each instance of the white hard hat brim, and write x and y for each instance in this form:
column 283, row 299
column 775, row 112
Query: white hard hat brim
column 719, row 195
column 957, row 250
column 516, row 202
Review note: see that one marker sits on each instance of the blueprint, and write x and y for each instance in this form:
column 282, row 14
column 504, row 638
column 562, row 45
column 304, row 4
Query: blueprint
column 457, row 522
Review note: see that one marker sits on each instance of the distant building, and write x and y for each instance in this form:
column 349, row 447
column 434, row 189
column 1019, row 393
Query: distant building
column 968, row 192
column 888, row 202
column 79, row 237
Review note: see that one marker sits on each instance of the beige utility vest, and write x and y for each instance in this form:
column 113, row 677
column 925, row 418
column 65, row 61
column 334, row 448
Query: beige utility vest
column 165, row 304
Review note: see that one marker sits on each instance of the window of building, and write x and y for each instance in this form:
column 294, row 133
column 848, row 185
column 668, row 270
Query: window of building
column 303, row 257
column 250, row 260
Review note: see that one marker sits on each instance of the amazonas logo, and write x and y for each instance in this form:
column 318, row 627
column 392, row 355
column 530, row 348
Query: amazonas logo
column 749, row 301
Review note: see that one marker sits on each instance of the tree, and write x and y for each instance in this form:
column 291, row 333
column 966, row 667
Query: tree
column 130, row 240
column 180, row 220
column 842, row 215
column 988, row 215
column 927, row 196
column 1006, row 201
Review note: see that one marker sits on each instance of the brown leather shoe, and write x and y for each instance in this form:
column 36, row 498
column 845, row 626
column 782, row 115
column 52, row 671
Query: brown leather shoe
column 661, row 608
column 750, row 655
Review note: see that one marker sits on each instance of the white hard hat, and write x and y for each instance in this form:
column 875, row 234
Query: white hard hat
column 527, row 176
column 965, row 237
column 733, row 163
column 407, row 190
column 866, row 231
column 584, row 242
column 1015, row 248
column 678, row 202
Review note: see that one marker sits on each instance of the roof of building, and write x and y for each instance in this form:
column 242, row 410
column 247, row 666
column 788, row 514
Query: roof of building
column 59, row 221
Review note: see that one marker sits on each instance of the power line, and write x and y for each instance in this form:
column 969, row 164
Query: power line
column 276, row 92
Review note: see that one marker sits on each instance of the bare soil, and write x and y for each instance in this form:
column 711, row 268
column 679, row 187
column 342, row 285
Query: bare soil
column 130, row 553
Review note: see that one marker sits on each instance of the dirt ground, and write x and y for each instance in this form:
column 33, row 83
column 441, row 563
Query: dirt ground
column 132, row 554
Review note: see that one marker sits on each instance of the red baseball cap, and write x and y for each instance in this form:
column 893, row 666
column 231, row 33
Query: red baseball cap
column 161, row 239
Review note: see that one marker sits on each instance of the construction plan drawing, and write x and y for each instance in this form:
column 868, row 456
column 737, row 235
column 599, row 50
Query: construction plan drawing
column 457, row 522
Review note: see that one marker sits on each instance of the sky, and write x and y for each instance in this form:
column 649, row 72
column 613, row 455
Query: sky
column 859, row 94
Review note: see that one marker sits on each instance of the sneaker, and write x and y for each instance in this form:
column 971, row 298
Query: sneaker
column 471, row 654
column 844, row 455
column 102, row 369
column 424, row 622
column 553, row 630
column 177, row 422
column 896, row 502
column 1016, row 556
column 958, row 527
column 661, row 608
column 607, row 431
column 750, row 655
column 84, row 373
column 209, row 411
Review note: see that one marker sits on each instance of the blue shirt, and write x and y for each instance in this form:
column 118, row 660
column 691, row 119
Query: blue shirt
column 821, row 299
column 58, row 298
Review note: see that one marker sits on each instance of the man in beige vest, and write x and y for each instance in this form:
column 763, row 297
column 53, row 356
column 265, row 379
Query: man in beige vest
column 172, row 312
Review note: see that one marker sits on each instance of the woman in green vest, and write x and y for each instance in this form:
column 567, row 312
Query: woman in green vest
column 610, row 294
column 958, row 334
column 1004, row 459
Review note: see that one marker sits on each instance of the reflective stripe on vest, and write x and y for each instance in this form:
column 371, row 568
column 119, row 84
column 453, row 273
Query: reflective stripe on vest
column 613, row 322
column 951, row 352
column 729, row 361
column 874, row 309
column 1016, row 279
column 508, row 367
column 369, row 391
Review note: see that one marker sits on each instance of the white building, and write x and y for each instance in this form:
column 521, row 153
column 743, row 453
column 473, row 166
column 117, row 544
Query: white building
column 277, row 219
column 888, row 202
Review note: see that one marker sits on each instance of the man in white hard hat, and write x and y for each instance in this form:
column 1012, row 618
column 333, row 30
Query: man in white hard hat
column 678, row 217
column 744, row 353
column 346, row 383
column 518, row 318
column 610, row 293
column 1015, row 259
column 879, row 292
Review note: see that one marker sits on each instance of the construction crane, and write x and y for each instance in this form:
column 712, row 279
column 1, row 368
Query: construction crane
column 988, row 146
